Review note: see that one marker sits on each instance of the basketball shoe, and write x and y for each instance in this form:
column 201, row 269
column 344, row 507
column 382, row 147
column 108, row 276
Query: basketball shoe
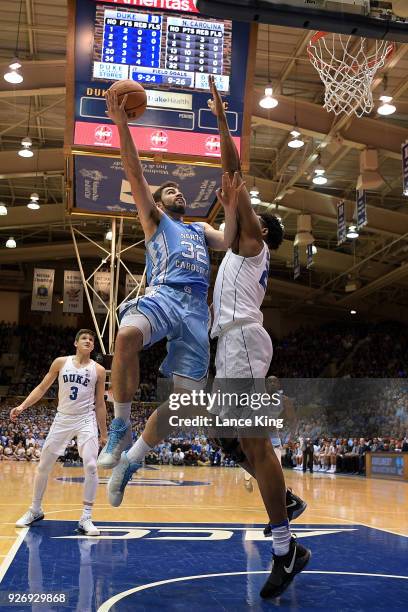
column 119, row 439
column 86, row 527
column 29, row 518
column 295, row 506
column 285, row 568
column 121, row 475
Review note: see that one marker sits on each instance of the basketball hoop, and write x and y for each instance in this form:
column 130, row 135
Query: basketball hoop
column 347, row 72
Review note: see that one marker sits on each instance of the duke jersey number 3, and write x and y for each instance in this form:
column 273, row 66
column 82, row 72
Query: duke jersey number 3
column 76, row 394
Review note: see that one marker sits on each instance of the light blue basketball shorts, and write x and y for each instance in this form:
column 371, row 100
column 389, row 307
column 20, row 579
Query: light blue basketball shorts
column 182, row 318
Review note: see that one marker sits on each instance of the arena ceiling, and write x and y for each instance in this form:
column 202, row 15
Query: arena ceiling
column 377, row 260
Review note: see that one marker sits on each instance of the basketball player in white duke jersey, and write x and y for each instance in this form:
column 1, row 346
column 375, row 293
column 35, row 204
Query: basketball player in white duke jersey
column 244, row 348
column 81, row 409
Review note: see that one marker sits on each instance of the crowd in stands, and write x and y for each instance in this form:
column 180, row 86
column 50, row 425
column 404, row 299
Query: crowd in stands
column 357, row 410
column 337, row 455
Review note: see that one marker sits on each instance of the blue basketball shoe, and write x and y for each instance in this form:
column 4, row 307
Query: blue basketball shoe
column 121, row 475
column 119, row 439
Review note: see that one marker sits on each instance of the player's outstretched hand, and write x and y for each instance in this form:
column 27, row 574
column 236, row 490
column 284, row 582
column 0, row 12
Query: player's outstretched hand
column 15, row 413
column 115, row 110
column 228, row 195
column 215, row 104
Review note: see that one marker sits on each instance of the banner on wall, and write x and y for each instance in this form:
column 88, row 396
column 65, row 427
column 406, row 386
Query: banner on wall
column 102, row 288
column 341, row 224
column 73, row 292
column 101, row 186
column 361, row 201
column 405, row 169
column 296, row 262
column 43, row 289
column 132, row 284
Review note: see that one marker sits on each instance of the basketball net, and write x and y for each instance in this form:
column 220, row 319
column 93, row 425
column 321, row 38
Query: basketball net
column 347, row 70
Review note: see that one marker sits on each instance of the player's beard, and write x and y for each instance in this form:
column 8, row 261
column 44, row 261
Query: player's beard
column 177, row 206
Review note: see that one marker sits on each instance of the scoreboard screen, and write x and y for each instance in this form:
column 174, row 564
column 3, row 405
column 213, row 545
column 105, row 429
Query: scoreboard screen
column 162, row 50
column 171, row 49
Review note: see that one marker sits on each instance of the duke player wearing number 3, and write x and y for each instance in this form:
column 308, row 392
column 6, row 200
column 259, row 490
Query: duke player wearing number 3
column 173, row 307
column 81, row 409
column 244, row 348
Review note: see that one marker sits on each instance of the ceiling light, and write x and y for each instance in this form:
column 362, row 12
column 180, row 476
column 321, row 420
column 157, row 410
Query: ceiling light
column 353, row 312
column 319, row 178
column 296, row 142
column 11, row 243
column 386, row 108
column 314, row 249
column 33, row 203
column 255, row 200
column 222, row 227
column 254, row 191
column 108, row 235
column 405, row 192
column 26, row 151
column 268, row 101
column 13, row 75
column 3, row 209
column 352, row 232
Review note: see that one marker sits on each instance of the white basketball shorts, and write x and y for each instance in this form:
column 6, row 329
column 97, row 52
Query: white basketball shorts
column 244, row 351
column 66, row 426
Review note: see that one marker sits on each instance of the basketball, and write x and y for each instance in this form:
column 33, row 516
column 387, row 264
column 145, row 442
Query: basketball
column 136, row 97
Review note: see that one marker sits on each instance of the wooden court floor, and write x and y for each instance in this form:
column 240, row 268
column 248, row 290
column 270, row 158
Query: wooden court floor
column 170, row 494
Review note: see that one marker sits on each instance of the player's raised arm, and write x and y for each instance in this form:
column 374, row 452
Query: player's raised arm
column 100, row 406
column 149, row 214
column 228, row 197
column 40, row 390
column 251, row 241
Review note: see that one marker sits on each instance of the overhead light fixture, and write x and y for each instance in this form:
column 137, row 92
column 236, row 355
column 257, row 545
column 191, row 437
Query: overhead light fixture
column 3, row 209
column 405, row 192
column 33, row 203
column 108, row 235
column 222, row 226
column 11, row 243
column 268, row 101
column 26, row 151
column 13, row 75
column 353, row 312
column 352, row 232
column 319, row 178
column 314, row 249
column 254, row 191
column 255, row 200
column 385, row 107
column 304, row 235
column 296, row 142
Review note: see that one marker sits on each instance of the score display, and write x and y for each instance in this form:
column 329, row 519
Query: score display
column 161, row 49
column 171, row 53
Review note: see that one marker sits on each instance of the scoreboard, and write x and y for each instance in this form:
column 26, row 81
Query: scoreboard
column 171, row 49
column 160, row 50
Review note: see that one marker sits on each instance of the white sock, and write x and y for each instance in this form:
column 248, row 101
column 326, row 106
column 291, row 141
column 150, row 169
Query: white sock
column 139, row 450
column 87, row 512
column 122, row 410
column 281, row 538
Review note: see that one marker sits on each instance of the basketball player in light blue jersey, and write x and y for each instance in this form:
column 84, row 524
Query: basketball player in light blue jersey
column 174, row 307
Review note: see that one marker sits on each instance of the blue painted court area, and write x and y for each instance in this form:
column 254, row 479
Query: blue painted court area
column 142, row 566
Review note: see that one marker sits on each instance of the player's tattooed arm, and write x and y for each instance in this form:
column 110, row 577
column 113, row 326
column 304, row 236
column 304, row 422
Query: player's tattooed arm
column 40, row 390
column 149, row 213
column 250, row 235
column 229, row 154
column 100, row 406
